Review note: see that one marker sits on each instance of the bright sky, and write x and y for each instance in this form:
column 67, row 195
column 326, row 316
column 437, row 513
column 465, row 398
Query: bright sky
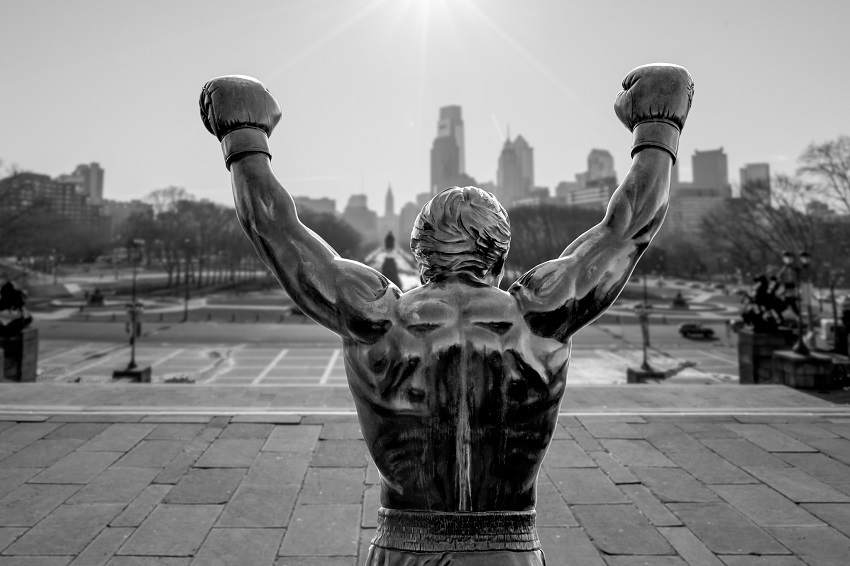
column 361, row 81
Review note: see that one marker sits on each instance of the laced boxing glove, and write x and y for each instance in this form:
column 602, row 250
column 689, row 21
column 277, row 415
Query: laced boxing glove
column 241, row 113
column 654, row 105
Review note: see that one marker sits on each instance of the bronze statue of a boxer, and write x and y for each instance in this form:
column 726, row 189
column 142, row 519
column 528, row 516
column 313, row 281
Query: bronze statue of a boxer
column 457, row 383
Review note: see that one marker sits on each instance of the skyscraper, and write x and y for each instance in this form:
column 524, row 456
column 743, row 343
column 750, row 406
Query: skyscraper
column 710, row 169
column 447, row 153
column 88, row 180
column 755, row 182
column 515, row 174
column 389, row 203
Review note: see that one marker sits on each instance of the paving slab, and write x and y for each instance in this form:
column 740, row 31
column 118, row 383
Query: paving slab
column 175, row 431
column 674, row 485
column 766, row 507
column 762, row 561
column 837, row 515
column 119, row 437
column 769, row 438
column 657, row 513
column 135, row 513
column 230, row 453
column 741, row 452
column 41, row 453
column 340, row 454
column 326, row 486
column 620, row 529
column 724, row 530
column 260, row 506
column 211, row 486
column 13, row 477
column 567, row 454
column 30, row 503
column 636, row 453
column 152, row 454
column 103, row 547
column 581, row 486
column 568, row 547
column 824, row 468
column 818, row 546
column 709, row 468
column 322, row 530
column 552, row 510
column 147, row 561
column 278, row 468
column 239, row 546
column 66, row 531
column 115, row 485
column 77, row 467
column 8, row 535
column 35, row 560
column 618, row 473
column 797, row 486
column 172, row 530
column 689, row 547
column 302, row 438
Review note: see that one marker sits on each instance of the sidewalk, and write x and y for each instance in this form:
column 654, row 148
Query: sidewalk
column 183, row 475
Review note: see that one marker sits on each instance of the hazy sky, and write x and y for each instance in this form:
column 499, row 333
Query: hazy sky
column 360, row 83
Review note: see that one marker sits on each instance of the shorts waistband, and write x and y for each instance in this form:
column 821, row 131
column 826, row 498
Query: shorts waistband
column 436, row 531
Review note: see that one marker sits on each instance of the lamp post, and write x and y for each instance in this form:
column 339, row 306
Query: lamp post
column 186, row 283
column 797, row 263
column 134, row 310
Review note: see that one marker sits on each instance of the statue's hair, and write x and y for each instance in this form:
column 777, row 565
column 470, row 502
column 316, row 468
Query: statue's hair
column 461, row 229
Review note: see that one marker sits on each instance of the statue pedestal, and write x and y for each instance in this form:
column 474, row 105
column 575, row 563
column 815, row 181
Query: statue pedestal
column 140, row 375
column 755, row 354
column 20, row 355
column 637, row 375
column 815, row 371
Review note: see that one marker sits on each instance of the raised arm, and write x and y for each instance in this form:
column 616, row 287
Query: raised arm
column 345, row 296
column 561, row 296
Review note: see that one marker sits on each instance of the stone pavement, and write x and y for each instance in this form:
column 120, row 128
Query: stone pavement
column 188, row 475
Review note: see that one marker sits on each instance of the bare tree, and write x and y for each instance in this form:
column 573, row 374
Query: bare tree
column 827, row 166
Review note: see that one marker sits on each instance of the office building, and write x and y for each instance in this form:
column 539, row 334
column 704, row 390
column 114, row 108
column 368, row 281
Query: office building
column 321, row 205
column 88, row 180
column 448, row 166
column 594, row 187
column 515, row 173
column 360, row 217
column 755, row 183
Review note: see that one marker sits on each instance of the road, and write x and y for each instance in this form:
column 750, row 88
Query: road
column 307, row 354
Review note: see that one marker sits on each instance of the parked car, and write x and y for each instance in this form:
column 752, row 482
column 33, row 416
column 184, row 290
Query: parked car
column 689, row 329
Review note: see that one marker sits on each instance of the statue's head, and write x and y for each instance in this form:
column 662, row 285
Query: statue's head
column 461, row 230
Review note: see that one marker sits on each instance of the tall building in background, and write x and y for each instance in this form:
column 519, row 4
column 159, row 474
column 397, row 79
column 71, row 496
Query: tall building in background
column 691, row 203
column 515, row 173
column 88, row 180
column 361, row 218
column 321, row 205
column 755, row 183
column 710, row 169
column 388, row 222
column 594, row 187
column 600, row 165
column 21, row 192
column 448, row 166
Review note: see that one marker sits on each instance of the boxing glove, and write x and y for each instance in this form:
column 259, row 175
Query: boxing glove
column 241, row 113
column 654, row 105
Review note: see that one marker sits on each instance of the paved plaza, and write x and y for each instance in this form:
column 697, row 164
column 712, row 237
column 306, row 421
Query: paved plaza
column 180, row 475
column 297, row 355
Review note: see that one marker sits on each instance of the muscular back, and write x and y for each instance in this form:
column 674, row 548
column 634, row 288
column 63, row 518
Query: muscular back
column 459, row 399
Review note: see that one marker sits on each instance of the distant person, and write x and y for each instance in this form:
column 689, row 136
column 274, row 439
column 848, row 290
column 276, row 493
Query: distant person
column 457, row 384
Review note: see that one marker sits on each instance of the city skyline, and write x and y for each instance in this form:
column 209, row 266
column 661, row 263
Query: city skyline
column 361, row 84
